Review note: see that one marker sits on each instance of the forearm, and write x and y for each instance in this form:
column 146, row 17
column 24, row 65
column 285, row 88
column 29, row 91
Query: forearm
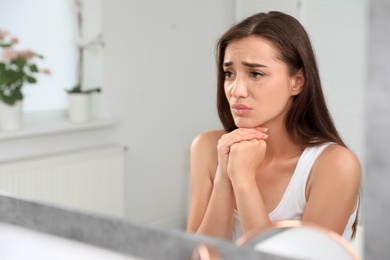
column 250, row 206
column 218, row 219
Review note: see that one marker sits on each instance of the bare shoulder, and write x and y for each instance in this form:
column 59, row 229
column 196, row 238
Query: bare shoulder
column 333, row 188
column 337, row 163
column 204, row 154
column 207, row 141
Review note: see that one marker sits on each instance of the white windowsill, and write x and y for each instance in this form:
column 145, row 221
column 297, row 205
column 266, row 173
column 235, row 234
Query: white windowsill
column 53, row 122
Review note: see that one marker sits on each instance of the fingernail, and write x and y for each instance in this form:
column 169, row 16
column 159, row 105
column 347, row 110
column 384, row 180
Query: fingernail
column 265, row 136
column 264, row 129
column 259, row 134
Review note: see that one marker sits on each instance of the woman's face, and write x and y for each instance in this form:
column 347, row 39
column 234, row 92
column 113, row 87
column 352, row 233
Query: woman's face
column 257, row 83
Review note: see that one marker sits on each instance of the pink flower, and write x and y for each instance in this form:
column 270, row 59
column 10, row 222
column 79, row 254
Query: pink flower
column 8, row 55
column 46, row 71
column 14, row 40
column 3, row 34
column 26, row 54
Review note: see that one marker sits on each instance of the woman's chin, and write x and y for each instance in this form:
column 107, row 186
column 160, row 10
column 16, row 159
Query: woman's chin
column 245, row 125
column 242, row 123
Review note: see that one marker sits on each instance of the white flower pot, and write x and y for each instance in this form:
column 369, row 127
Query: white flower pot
column 96, row 105
column 11, row 116
column 79, row 107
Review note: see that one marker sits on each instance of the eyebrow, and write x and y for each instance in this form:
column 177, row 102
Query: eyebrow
column 248, row 64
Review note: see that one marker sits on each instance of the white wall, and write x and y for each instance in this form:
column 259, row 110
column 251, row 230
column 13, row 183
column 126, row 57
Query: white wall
column 339, row 36
column 159, row 78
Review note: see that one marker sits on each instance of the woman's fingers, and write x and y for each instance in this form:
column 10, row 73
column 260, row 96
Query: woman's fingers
column 243, row 134
column 245, row 159
column 262, row 129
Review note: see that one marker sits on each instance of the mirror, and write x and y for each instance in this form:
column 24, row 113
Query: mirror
column 159, row 81
column 300, row 240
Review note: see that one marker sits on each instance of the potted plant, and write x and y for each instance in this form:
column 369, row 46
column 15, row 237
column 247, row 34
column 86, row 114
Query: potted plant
column 17, row 68
column 79, row 99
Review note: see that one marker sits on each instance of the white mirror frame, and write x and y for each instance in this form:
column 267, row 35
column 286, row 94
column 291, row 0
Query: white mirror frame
column 250, row 236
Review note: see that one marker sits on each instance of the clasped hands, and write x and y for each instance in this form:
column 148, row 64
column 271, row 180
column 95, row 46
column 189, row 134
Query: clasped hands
column 240, row 154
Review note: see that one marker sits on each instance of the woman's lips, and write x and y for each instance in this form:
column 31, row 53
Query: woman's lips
column 241, row 109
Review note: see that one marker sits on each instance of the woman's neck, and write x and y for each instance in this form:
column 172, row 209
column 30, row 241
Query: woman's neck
column 280, row 145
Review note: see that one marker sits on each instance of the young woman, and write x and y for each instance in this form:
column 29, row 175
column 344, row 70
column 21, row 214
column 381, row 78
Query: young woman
column 279, row 156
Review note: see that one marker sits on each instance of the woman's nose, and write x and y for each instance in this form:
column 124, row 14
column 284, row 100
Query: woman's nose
column 239, row 88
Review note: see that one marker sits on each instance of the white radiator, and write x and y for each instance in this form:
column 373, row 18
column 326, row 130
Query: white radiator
column 91, row 180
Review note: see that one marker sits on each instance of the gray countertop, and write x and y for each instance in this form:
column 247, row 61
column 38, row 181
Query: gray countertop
column 118, row 235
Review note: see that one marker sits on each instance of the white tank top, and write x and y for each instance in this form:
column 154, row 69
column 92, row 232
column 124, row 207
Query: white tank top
column 293, row 202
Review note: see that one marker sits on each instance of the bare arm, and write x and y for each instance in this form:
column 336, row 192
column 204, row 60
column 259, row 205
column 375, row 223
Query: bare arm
column 244, row 161
column 212, row 200
column 333, row 188
column 211, row 211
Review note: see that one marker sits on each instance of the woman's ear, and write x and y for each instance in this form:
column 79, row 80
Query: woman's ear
column 298, row 82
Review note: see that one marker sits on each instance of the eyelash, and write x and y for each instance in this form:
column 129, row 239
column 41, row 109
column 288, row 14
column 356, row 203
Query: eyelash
column 256, row 74
column 228, row 74
column 253, row 74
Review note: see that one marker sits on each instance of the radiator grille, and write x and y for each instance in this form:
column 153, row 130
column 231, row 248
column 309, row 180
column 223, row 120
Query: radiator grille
column 91, row 180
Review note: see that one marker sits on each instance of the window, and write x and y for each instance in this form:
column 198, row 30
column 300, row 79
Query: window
column 47, row 27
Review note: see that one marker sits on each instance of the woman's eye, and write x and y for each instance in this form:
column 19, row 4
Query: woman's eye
column 255, row 74
column 228, row 74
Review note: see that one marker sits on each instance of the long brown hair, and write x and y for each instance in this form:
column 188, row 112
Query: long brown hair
column 308, row 122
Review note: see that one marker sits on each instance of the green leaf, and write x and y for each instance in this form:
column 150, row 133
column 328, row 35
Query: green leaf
column 31, row 80
column 75, row 89
column 6, row 45
column 92, row 90
column 33, row 68
column 14, row 96
column 19, row 62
